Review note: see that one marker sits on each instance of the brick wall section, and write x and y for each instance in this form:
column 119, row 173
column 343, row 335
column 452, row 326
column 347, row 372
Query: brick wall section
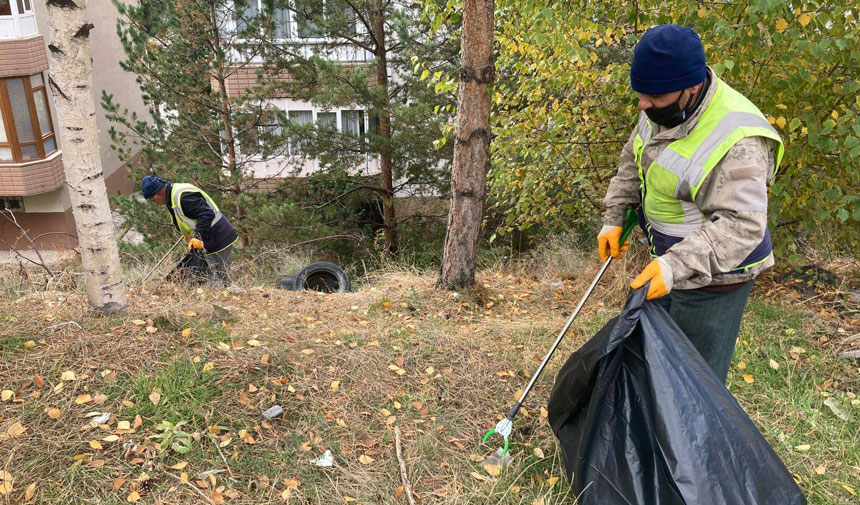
column 245, row 77
column 32, row 179
column 19, row 57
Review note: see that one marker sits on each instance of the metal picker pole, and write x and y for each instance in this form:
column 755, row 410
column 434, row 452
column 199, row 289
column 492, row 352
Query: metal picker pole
column 505, row 426
column 160, row 261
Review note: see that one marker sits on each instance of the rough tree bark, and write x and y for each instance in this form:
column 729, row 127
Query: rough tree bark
column 471, row 150
column 71, row 85
column 384, row 127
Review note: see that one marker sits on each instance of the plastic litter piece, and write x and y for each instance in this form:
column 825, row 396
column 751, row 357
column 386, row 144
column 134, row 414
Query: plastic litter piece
column 641, row 418
column 499, row 458
column 272, row 412
column 325, row 460
column 101, row 419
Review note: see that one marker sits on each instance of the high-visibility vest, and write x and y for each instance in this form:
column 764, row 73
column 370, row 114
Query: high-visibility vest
column 186, row 224
column 669, row 186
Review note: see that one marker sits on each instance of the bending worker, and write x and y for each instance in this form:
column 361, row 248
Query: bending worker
column 697, row 165
column 198, row 219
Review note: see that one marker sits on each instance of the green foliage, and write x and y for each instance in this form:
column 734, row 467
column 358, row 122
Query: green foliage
column 563, row 107
column 172, row 437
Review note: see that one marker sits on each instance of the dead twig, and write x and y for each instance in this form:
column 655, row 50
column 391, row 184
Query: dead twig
column 10, row 216
column 407, row 488
column 192, row 486
column 65, row 324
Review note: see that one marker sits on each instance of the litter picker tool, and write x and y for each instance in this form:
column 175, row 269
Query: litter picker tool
column 505, row 426
column 160, row 261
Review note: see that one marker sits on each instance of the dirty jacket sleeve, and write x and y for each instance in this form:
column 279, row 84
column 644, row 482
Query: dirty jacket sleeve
column 733, row 199
column 623, row 191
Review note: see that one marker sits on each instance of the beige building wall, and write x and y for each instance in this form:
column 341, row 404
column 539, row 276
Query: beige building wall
column 108, row 76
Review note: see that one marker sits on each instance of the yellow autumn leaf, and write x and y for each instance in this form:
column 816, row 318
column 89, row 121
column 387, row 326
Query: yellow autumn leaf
column 820, row 469
column 155, row 397
column 30, row 492
column 254, row 343
column 15, row 430
column 54, row 413
column 180, row 465
column 111, row 438
column 702, row 12
column 84, row 398
column 6, row 480
column 335, row 385
column 94, row 444
column 834, row 115
column 208, row 366
column 123, row 425
column 30, row 344
column 133, row 497
column 348, row 499
column 748, row 378
column 551, row 481
column 6, row 395
column 539, row 453
column 307, row 351
column 781, row 25
column 223, row 347
column 68, row 375
column 292, row 483
column 186, row 332
column 773, row 364
column 742, row 365
column 780, row 121
column 802, row 447
column 493, row 470
column 364, row 459
column 849, row 489
column 804, row 19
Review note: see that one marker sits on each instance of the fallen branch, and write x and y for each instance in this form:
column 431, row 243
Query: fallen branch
column 407, row 489
column 64, row 324
column 192, row 486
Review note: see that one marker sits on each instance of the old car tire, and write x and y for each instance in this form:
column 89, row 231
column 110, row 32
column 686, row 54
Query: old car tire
column 324, row 277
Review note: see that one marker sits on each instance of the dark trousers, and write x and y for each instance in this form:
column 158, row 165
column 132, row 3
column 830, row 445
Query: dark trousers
column 218, row 264
column 711, row 321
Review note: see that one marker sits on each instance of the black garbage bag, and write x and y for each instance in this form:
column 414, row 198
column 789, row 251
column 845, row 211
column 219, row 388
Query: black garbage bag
column 643, row 420
column 192, row 268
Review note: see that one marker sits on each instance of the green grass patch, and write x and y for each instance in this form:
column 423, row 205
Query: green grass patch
column 782, row 379
column 187, row 394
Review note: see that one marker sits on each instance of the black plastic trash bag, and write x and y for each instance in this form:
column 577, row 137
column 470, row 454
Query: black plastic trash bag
column 643, row 420
column 192, row 268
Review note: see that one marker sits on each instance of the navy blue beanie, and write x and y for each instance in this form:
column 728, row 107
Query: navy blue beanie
column 150, row 185
column 668, row 58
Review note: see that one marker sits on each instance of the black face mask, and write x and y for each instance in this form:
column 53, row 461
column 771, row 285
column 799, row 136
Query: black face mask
column 669, row 116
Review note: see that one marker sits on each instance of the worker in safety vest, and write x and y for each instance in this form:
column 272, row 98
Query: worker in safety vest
column 697, row 166
column 198, row 219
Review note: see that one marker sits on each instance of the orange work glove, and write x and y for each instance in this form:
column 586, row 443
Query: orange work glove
column 660, row 275
column 195, row 243
column 607, row 243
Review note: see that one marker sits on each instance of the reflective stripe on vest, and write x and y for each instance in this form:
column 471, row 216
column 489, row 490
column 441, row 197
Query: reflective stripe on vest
column 185, row 223
column 673, row 179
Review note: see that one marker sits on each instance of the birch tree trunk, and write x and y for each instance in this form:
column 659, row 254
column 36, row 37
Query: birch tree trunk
column 70, row 78
column 471, row 150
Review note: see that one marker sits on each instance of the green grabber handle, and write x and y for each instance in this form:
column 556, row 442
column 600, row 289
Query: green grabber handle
column 505, row 426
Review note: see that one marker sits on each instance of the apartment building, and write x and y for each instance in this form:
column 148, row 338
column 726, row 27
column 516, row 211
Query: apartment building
column 295, row 30
column 32, row 177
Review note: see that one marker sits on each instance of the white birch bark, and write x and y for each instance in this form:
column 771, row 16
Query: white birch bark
column 70, row 81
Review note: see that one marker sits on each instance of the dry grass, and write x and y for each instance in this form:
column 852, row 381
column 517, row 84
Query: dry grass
column 332, row 361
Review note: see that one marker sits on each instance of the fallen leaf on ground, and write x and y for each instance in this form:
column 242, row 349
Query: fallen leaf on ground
column 30, row 492
column 186, row 332
column 539, row 452
column 335, row 385
column 6, row 395
column 118, row 482
column 96, row 445
column 155, row 397
column 15, row 430
column 493, row 470
column 68, row 375
column 749, row 379
column 133, row 497
column 84, row 398
column 773, row 364
column 820, row 469
column 365, row 459
column 802, row 447
column 6, row 481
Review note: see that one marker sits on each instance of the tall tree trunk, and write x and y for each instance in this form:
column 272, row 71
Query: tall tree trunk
column 226, row 112
column 384, row 126
column 471, row 150
column 71, row 75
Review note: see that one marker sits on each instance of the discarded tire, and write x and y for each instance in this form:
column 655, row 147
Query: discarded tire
column 324, row 277
column 288, row 283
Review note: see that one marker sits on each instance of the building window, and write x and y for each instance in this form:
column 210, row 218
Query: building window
column 13, row 203
column 5, row 8
column 352, row 122
column 247, row 10
column 26, row 127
